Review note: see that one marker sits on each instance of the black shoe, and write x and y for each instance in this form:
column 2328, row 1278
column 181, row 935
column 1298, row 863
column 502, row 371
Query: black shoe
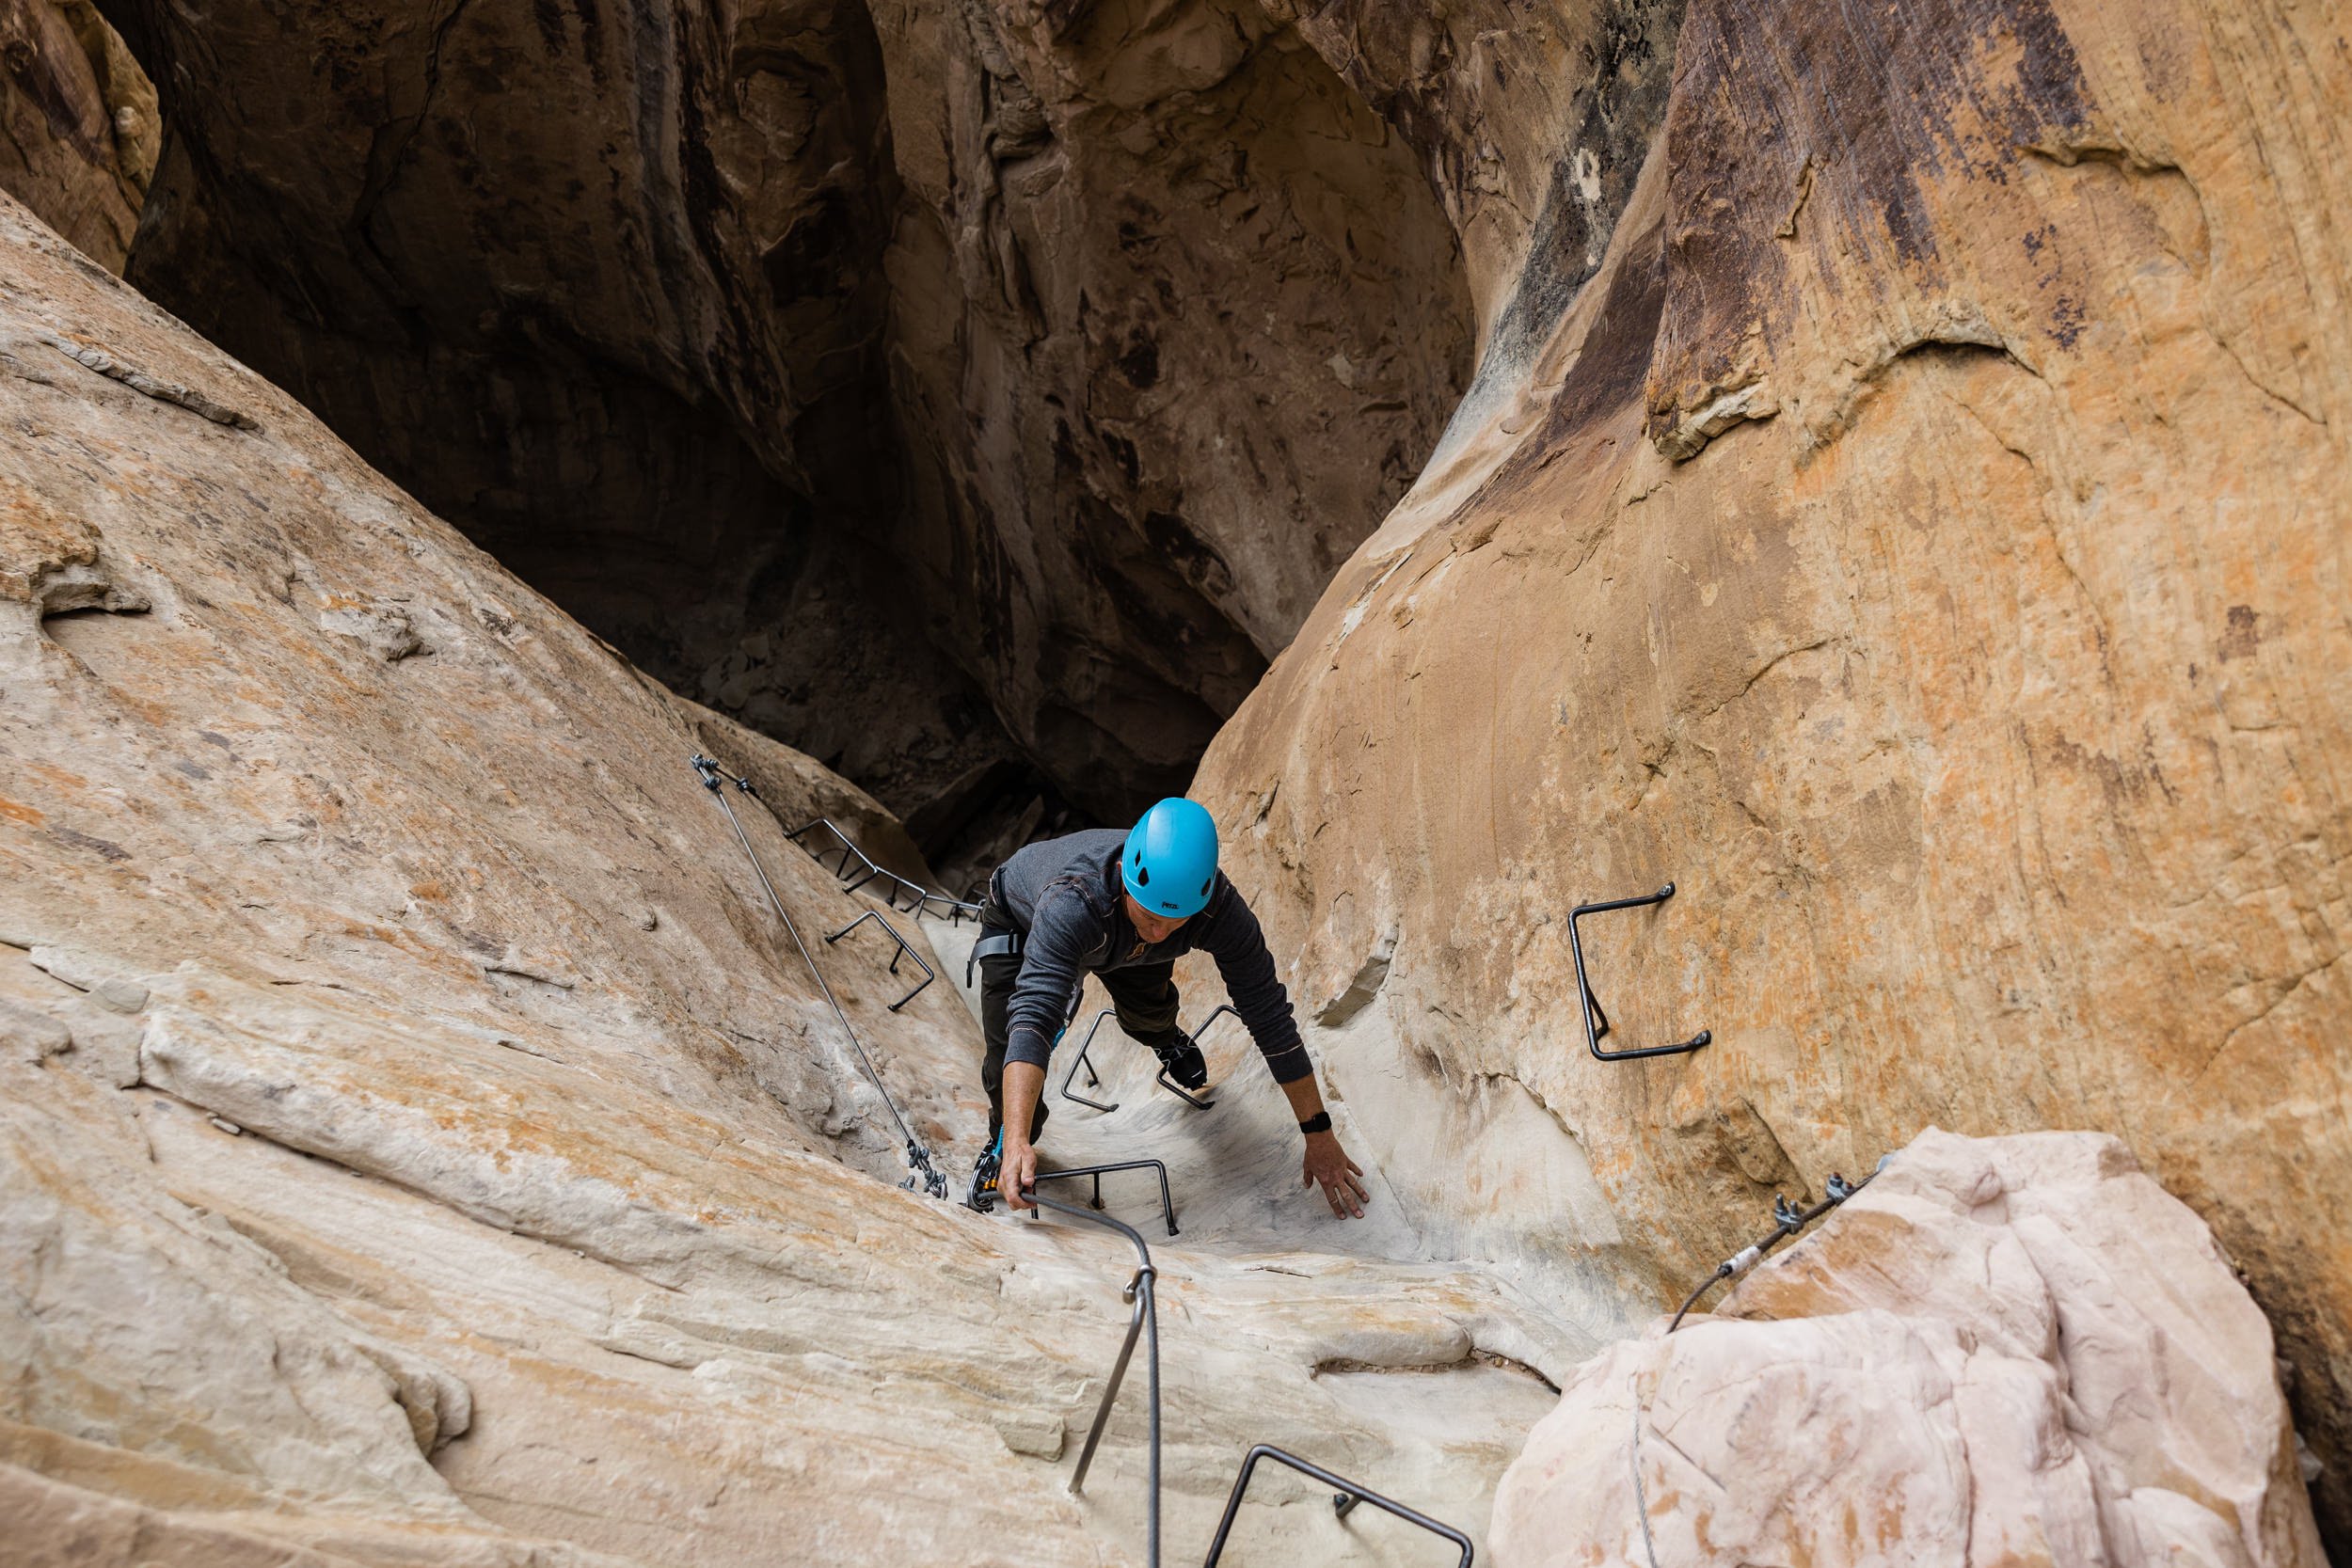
column 1182, row 1061
column 984, row 1194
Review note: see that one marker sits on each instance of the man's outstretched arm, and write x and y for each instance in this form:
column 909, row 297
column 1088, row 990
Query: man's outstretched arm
column 1238, row 945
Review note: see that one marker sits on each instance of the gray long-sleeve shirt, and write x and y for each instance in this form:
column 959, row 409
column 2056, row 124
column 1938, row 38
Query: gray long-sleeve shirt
column 1064, row 896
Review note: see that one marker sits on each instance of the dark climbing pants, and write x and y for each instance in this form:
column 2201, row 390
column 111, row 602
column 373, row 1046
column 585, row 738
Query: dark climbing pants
column 1143, row 996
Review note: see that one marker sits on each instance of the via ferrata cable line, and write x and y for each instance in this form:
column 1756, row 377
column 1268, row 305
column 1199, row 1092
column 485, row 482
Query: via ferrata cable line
column 921, row 1171
column 1787, row 1219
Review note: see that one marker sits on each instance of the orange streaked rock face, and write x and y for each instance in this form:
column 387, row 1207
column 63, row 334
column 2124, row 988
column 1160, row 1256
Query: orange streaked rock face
column 79, row 130
column 1923, row 542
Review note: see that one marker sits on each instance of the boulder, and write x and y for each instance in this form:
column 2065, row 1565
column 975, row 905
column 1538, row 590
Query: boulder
column 2013, row 1350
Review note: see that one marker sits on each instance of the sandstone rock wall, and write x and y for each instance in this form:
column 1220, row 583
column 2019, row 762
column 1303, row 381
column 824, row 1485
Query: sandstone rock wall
column 2013, row 1350
column 1922, row 542
column 78, row 125
column 941, row 389
column 1175, row 320
column 1532, row 123
column 417, row 1143
column 606, row 288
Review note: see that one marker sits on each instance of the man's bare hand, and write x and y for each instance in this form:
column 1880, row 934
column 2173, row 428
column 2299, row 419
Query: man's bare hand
column 1341, row 1178
column 1018, row 1174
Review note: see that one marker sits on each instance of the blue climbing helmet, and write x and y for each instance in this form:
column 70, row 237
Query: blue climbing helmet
column 1171, row 860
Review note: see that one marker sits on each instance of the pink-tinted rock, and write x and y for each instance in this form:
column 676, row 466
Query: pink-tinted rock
column 2005, row 1351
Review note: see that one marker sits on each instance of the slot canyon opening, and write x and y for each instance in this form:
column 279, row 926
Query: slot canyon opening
column 977, row 409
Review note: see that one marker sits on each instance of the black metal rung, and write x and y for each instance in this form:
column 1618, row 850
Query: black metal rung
column 1348, row 1495
column 1596, row 1021
column 1094, row 1080
column 1203, row 1101
column 846, row 855
column 1167, row 1202
column 1197, row 1101
column 904, row 952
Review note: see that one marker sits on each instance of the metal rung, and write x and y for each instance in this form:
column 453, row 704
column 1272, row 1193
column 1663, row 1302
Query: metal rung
column 1167, row 1204
column 1094, row 1080
column 1348, row 1493
column 1596, row 1021
column 1199, row 1102
column 1143, row 1322
column 854, row 868
column 904, row 952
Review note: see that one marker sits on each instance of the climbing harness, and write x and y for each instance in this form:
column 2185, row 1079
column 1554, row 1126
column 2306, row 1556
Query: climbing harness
column 1197, row 1099
column 1004, row 944
column 1596, row 1021
column 1344, row 1499
column 921, row 1173
column 1787, row 1219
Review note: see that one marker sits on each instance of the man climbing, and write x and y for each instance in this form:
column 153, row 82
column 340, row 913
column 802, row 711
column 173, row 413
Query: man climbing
column 1125, row 907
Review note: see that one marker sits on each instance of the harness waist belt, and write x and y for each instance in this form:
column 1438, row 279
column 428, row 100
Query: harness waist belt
column 1005, row 944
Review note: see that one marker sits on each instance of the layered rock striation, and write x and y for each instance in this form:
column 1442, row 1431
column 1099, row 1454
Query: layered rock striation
column 1921, row 543
column 1897, row 503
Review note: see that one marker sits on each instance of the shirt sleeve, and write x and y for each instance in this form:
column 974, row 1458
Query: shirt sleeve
column 1238, row 946
column 1049, row 974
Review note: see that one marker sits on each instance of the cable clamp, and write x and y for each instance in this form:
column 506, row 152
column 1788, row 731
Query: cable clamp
column 921, row 1174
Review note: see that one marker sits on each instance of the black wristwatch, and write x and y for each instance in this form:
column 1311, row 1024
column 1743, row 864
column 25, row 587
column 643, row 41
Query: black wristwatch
column 1319, row 1122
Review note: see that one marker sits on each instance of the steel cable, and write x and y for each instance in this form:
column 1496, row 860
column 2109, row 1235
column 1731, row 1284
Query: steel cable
column 918, row 1156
